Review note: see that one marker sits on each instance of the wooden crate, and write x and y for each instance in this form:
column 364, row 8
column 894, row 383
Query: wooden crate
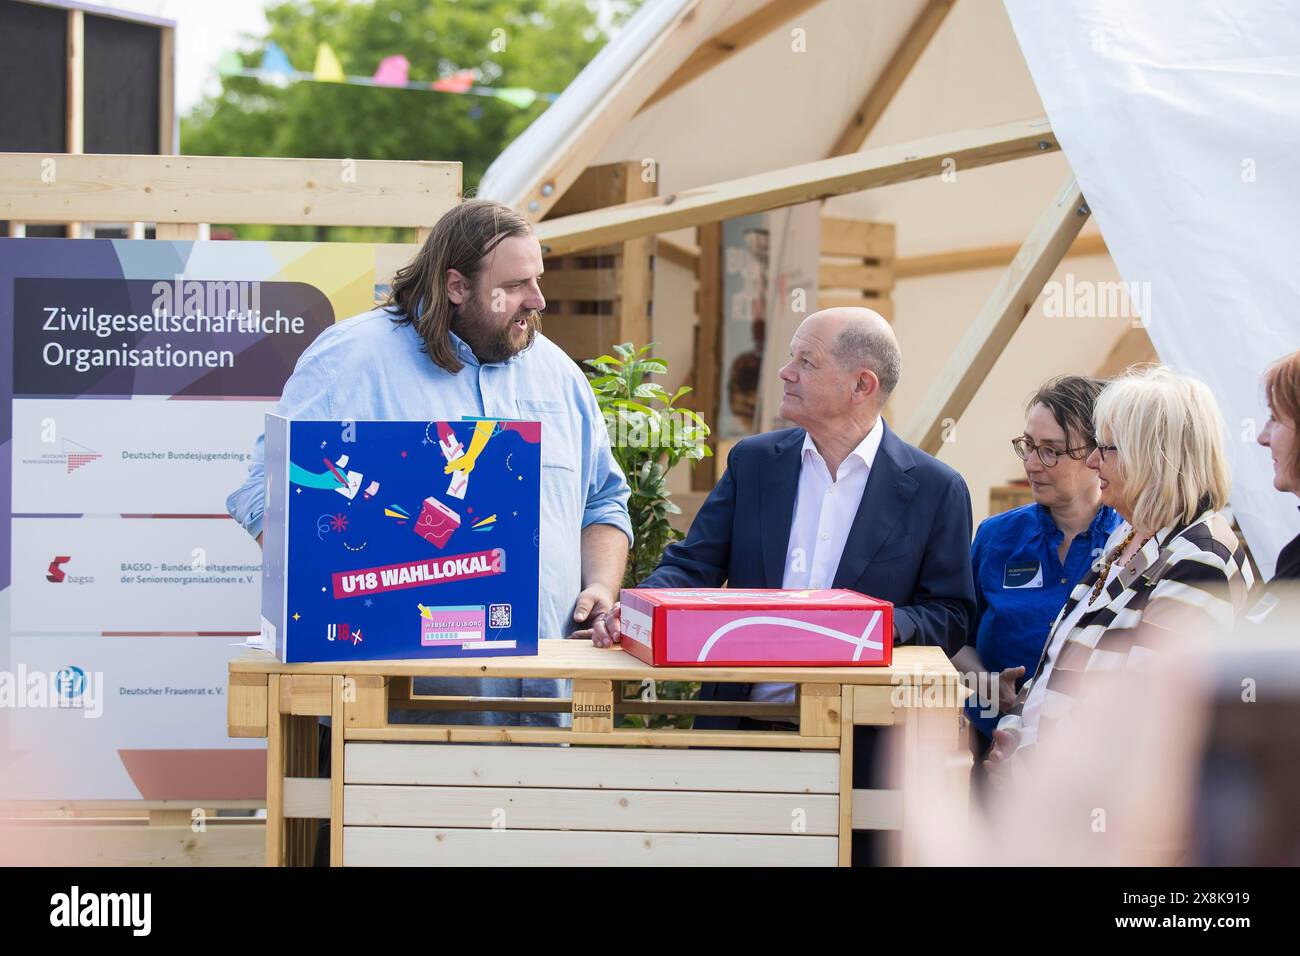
column 857, row 265
column 1011, row 495
column 602, row 296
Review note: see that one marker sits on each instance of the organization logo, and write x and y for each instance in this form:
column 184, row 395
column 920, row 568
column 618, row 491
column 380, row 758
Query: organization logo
column 56, row 574
column 70, row 683
column 343, row 633
column 72, row 456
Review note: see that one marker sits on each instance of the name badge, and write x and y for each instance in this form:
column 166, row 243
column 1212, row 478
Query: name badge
column 1026, row 575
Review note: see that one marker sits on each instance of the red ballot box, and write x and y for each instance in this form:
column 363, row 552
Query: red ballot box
column 721, row 627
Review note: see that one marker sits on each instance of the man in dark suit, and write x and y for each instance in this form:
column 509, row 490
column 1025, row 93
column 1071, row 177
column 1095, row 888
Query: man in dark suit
column 839, row 501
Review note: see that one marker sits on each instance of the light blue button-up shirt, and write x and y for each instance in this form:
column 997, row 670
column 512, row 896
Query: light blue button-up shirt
column 370, row 368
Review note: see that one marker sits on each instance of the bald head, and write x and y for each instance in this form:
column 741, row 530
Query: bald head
column 859, row 338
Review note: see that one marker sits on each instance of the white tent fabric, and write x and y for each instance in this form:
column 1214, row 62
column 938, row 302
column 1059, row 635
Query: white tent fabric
column 509, row 174
column 1181, row 119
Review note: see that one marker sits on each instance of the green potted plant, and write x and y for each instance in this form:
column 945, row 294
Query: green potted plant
column 649, row 434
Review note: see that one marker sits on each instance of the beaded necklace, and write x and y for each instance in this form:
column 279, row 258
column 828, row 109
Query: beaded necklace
column 1110, row 560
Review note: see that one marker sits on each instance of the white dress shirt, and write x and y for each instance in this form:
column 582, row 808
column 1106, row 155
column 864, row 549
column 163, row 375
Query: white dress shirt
column 824, row 509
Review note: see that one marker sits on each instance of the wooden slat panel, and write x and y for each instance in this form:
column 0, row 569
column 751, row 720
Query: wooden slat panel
column 307, row 798
column 409, row 846
column 581, row 284
column 877, row 809
column 674, row 811
column 580, row 336
column 856, row 237
column 835, row 275
column 621, row 737
column 321, row 192
column 75, row 844
column 605, row 768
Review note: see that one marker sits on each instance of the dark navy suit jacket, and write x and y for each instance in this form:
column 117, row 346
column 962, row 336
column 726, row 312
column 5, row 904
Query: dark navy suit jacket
column 909, row 543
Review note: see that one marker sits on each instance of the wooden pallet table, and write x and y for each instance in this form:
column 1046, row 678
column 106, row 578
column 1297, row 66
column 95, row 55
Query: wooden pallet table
column 428, row 794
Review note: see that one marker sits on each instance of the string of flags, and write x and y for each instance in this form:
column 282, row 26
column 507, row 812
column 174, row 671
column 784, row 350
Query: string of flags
column 393, row 72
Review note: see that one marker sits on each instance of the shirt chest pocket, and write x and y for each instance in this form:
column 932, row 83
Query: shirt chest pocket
column 559, row 431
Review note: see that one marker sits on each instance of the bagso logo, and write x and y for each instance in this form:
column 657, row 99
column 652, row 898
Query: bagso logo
column 56, row 573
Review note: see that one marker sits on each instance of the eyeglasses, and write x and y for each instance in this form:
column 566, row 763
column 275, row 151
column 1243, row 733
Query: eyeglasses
column 1102, row 449
column 1047, row 454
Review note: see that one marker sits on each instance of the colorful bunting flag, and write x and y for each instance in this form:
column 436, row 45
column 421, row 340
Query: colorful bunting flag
column 519, row 96
column 458, row 82
column 393, row 71
column 230, row 64
column 274, row 61
column 327, row 69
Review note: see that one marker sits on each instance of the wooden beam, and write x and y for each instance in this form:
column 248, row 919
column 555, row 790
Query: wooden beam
column 76, row 107
column 999, row 318
column 722, row 46
column 692, row 26
column 884, row 166
column 679, row 254
column 167, row 143
column 1132, row 348
column 75, row 136
column 635, row 280
column 984, row 257
column 882, row 92
column 310, row 192
column 708, row 345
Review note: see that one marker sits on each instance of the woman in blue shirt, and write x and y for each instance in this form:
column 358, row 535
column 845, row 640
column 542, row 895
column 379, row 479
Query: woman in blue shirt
column 1027, row 560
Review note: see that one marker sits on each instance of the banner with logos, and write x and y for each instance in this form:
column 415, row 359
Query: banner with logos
column 135, row 376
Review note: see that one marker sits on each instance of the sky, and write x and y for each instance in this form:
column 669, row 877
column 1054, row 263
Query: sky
column 204, row 30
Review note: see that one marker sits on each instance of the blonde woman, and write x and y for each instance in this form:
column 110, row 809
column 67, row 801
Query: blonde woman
column 1173, row 567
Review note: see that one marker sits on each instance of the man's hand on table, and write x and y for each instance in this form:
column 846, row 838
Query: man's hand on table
column 595, row 604
column 606, row 628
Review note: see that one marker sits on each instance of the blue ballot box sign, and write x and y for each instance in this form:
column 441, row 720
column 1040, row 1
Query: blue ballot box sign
column 396, row 540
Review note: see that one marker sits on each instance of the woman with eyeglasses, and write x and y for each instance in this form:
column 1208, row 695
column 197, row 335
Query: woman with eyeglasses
column 1173, row 570
column 1027, row 560
column 1282, row 388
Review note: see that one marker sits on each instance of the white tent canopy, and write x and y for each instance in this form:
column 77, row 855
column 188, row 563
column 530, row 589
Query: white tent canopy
column 788, row 93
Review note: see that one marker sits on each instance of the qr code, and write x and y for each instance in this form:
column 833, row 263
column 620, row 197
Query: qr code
column 498, row 615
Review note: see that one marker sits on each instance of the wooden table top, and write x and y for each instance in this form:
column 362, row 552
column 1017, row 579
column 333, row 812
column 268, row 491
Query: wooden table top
column 581, row 659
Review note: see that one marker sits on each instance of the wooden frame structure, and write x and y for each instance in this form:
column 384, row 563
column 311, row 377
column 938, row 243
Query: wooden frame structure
column 428, row 794
column 603, row 295
column 75, row 108
column 181, row 194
